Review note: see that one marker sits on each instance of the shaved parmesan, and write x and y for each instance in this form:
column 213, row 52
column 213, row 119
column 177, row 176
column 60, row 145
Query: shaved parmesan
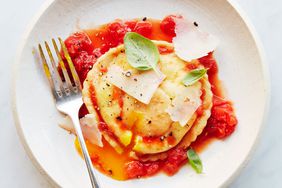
column 185, row 104
column 191, row 43
column 89, row 127
column 141, row 85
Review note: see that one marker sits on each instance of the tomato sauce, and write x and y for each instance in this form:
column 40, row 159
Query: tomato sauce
column 87, row 46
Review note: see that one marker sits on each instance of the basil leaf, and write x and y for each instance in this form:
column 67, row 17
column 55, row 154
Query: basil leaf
column 141, row 52
column 195, row 161
column 193, row 76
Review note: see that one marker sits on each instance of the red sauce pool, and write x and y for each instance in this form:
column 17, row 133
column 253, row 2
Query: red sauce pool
column 86, row 46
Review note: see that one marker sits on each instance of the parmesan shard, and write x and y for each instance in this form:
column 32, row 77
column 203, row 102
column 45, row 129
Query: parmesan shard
column 191, row 43
column 89, row 127
column 141, row 85
column 184, row 105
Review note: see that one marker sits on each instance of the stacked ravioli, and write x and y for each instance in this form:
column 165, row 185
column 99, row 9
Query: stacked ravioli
column 147, row 129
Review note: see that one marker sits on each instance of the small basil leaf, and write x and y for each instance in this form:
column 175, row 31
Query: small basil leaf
column 195, row 161
column 193, row 76
column 141, row 52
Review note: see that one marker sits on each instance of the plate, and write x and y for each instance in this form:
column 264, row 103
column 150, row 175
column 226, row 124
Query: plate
column 241, row 66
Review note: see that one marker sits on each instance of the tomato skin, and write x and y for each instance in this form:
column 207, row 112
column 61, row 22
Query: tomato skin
column 209, row 63
column 82, row 52
column 168, row 24
column 112, row 36
column 104, row 48
column 143, row 28
column 83, row 63
column 222, row 122
column 130, row 25
column 117, row 30
column 77, row 43
column 110, row 40
column 152, row 168
column 137, row 169
column 176, row 158
column 97, row 52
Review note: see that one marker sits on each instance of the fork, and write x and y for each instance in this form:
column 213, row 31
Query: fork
column 67, row 95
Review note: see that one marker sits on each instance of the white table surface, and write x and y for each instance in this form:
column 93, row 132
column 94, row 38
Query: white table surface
column 264, row 169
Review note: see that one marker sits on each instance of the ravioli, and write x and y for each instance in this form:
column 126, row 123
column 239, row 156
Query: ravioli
column 146, row 128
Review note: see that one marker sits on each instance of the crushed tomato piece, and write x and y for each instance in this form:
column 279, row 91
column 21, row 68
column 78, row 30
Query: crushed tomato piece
column 143, row 28
column 168, row 24
column 78, row 42
column 137, row 169
column 176, row 158
column 222, row 122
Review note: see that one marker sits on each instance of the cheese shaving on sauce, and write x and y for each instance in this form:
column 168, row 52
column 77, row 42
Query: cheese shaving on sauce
column 89, row 127
column 191, row 43
column 185, row 104
column 141, row 85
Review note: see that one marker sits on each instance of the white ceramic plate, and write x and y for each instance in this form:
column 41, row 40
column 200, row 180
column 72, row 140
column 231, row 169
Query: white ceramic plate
column 241, row 67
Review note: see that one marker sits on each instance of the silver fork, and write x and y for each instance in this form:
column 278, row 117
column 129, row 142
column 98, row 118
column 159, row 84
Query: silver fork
column 67, row 95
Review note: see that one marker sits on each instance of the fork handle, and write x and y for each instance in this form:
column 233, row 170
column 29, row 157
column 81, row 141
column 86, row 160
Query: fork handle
column 85, row 153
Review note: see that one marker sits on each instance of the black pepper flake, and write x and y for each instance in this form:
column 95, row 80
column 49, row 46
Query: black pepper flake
column 170, row 134
column 108, row 84
column 119, row 118
column 141, row 94
column 171, row 98
column 144, row 19
column 196, row 24
column 121, row 51
column 110, row 172
column 135, row 79
column 149, row 122
column 128, row 74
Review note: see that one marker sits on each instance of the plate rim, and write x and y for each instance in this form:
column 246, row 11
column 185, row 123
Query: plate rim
column 226, row 182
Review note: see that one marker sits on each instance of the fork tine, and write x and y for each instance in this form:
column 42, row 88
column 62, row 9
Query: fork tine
column 54, row 74
column 62, row 65
column 54, row 67
column 45, row 66
column 46, row 69
column 71, row 66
